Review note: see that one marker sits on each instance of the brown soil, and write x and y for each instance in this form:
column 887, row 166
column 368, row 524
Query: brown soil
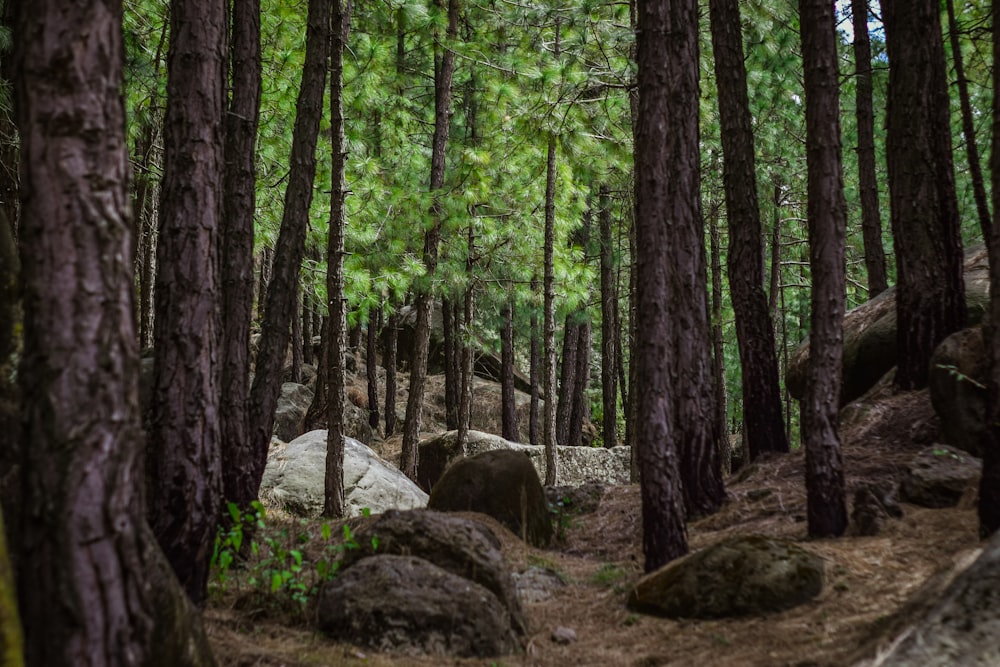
column 874, row 585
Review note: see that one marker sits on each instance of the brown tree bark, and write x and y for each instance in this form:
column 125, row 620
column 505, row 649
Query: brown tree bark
column 666, row 166
column 184, row 460
column 580, row 402
column 307, row 331
column 467, row 348
column 826, row 507
column 968, row 126
column 444, row 72
column 718, row 342
column 334, row 501
column 317, row 414
column 100, row 591
column 452, row 362
column 295, row 342
column 871, row 221
column 534, row 366
column 549, row 432
column 239, row 480
column 508, row 404
column 389, row 363
column 764, row 425
column 609, row 326
column 930, row 301
column 567, row 378
column 371, row 366
column 279, row 302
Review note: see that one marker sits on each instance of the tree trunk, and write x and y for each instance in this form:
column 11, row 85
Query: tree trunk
column 930, row 301
column 333, row 501
column 968, row 126
column 318, row 412
column 508, row 402
column 444, row 72
column 871, row 220
column 307, row 331
column 632, row 406
column 718, row 342
column 580, row 402
column 371, row 366
column 549, row 319
column 296, row 340
column 389, row 363
column 534, row 364
column 567, row 378
column 239, row 203
column 609, row 327
column 827, row 510
column 764, row 426
column 666, row 52
column 279, row 302
column 452, row 363
column 96, row 595
column 185, row 448
column 467, row 347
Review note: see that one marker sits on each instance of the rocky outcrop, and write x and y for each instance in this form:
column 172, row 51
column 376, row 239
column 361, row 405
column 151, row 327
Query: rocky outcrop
column 294, row 478
column 577, row 465
column 870, row 334
column 407, row 605
column 502, row 484
column 938, row 476
column 739, row 576
column 290, row 415
column 957, row 384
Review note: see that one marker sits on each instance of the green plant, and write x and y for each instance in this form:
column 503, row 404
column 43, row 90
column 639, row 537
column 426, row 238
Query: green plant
column 960, row 376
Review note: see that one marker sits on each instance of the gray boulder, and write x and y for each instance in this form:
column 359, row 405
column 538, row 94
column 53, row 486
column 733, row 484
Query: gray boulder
column 290, row 414
column 957, row 384
column 294, row 478
column 736, row 577
column 502, row 484
column 938, row 476
column 407, row 605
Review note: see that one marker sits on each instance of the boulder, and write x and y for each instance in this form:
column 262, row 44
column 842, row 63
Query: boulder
column 464, row 547
column 294, row 478
column 938, row 476
column 502, row 484
column 407, row 605
column 739, row 576
column 870, row 334
column 290, row 414
column 356, row 424
column 577, row 465
column 873, row 506
column 957, row 383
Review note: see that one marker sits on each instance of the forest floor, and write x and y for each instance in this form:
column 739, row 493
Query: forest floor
column 874, row 585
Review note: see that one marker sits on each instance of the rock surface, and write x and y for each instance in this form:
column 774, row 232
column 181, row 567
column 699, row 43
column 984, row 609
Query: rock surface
column 736, row 577
column 407, row 605
column 502, row 484
column 958, row 391
column 294, row 478
column 938, row 476
column 290, row 415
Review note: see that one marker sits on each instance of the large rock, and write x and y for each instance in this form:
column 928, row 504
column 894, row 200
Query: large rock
column 356, row 423
column 464, row 547
column 407, row 605
column 577, row 465
column 290, row 415
column 502, row 484
column 938, row 476
column 958, row 389
column 870, row 334
column 736, row 577
column 294, row 478
column 962, row 629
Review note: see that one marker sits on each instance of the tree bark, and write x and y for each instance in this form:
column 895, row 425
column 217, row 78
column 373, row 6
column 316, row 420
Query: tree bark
column 508, row 402
column 318, row 412
column 609, row 327
column 718, row 342
column 826, row 506
column 580, row 403
column 452, row 363
column 930, row 301
column 666, row 165
column 871, row 220
column 279, row 302
column 467, row 348
column 296, row 340
column 764, row 426
column 444, row 72
column 567, row 378
column 100, row 592
column 371, row 366
column 185, row 447
column 549, row 433
column 307, row 331
column 534, row 364
column 333, row 501
column 389, row 363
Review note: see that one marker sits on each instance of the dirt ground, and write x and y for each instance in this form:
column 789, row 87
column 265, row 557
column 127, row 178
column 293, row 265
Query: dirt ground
column 874, row 585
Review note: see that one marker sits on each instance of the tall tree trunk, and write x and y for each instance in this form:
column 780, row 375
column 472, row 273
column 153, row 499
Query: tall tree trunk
column 534, row 366
column 580, row 402
column 764, row 426
column 444, row 72
column 296, row 340
column 452, row 362
column 467, row 347
column 185, row 447
column 508, row 402
column 930, row 298
column 718, row 342
column 371, row 366
column 632, row 406
column 609, row 326
column 826, row 507
column 237, row 275
column 307, row 331
column 666, row 52
column 100, row 590
column 567, row 378
column 279, row 302
column 774, row 294
column 318, row 412
column 389, row 363
column 333, row 497
column 871, row 220
column 968, row 126
column 549, row 318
